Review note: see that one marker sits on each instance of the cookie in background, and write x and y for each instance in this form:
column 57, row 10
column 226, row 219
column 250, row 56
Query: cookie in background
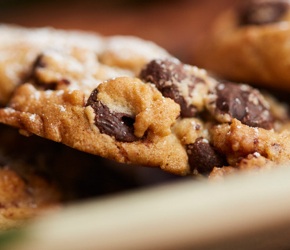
column 38, row 176
column 249, row 43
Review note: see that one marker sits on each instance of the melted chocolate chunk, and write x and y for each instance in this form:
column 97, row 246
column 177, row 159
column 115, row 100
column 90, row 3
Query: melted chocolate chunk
column 118, row 125
column 243, row 103
column 259, row 12
column 203, row 157
column 168, row 76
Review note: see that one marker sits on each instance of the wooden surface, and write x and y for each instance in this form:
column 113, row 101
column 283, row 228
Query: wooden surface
column 174, row 25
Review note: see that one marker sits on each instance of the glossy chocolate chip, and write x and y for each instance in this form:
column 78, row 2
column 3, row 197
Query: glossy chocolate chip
column 203, row 157
column 259, row 12
column 170, row 76
column 118, row 125
column 243, row 103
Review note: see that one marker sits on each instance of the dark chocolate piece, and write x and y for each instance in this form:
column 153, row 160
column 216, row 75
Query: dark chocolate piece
column 168, row 76
column 119, row 125
column 244, row 103
column 203, row 157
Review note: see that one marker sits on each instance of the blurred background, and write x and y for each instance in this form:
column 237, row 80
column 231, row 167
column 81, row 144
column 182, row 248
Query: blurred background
column 172, row 24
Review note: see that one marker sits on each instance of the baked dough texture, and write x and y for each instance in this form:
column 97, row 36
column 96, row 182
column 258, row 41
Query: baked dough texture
column 130, row 101
column 37, row 176
column 249, row 43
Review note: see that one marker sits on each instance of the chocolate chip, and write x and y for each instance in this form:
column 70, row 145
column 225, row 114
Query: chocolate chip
column 259, row 12
column 203, row 157
column 243, row 103
column 53, row 85
column 39, row 62
column 170, row 77
column 118, row 125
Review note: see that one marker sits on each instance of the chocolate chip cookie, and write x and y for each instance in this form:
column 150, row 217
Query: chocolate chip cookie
column 92, row 58
column 163, row 114
column 250, row 43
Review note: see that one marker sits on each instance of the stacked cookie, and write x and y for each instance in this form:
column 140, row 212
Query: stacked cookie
column 38, row 175
column 128, row 100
